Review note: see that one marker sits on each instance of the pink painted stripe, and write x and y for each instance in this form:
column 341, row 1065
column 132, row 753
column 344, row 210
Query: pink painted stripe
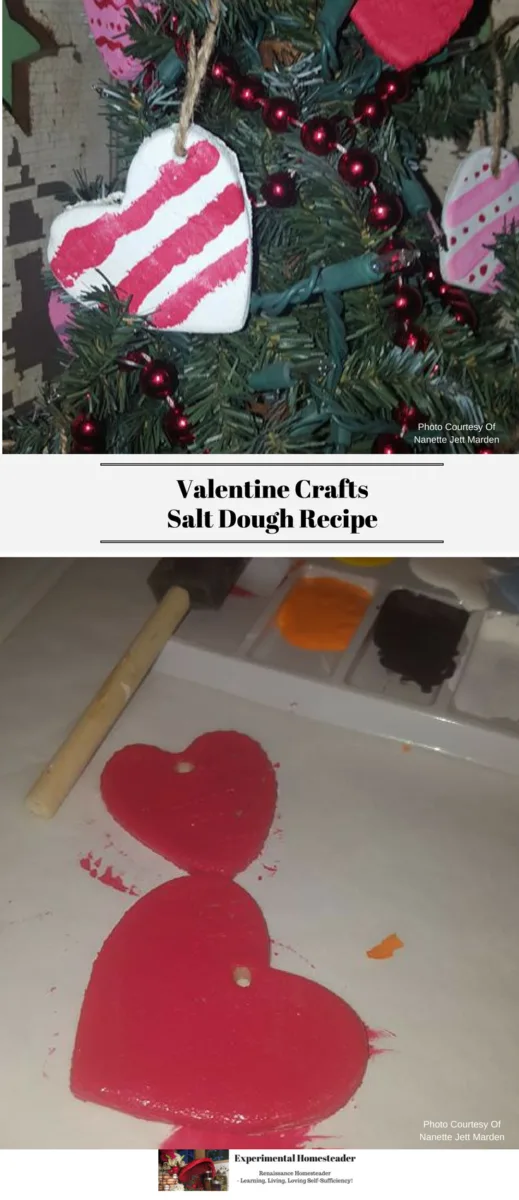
column 481, row 195
column 177, row 308
column 88, row 246
column 464, row 260
column 191, row 239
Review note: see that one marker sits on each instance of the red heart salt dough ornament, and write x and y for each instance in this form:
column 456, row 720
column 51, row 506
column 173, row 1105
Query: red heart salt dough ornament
column 167, row 1031
column 208, row 808
column 406, row 32
column 177, row 244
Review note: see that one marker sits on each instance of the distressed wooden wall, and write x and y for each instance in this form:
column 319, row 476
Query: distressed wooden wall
column 68, row 133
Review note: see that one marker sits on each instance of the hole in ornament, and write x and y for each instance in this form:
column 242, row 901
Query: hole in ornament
column 183, row 768
column 242, row 976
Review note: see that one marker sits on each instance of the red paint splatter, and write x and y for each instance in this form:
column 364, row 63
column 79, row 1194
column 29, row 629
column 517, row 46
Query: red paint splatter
column 88, row 863
column 271, row 870
column 373, row 1035
column 276, row 766
column 288, row 1139
column 239, row 591
column 260, row 877
column 274, row 942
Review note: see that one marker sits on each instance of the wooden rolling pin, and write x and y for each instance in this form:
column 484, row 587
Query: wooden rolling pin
column 54, row 784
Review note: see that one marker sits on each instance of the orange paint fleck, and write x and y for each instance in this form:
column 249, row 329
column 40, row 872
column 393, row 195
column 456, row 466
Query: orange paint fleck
column 322, row 613
column 386, row 948
column 406, row 748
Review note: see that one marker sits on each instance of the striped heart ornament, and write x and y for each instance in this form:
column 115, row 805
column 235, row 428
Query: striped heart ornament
column 177, row 244
column 477, row 207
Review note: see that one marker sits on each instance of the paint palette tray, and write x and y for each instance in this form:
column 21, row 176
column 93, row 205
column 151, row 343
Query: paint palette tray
column 418, row 667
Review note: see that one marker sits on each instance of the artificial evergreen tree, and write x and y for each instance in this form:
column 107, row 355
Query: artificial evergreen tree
column 330, row 141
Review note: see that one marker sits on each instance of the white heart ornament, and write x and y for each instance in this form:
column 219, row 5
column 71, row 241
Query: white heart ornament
column 178, row 243
column 477, row 207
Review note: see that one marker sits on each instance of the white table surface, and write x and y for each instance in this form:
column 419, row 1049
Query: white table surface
column 374, row 841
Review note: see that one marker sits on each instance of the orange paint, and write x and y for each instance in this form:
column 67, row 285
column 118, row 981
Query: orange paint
column 386, row 948
column 322, row 613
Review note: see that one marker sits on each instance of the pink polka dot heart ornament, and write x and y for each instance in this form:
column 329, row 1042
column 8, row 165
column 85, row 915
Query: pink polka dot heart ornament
column 108, row 23
column 477, row 207
column 177, row 244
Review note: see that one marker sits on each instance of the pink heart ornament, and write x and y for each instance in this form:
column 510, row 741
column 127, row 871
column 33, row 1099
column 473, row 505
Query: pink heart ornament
column 477, row 207
column 178, row 243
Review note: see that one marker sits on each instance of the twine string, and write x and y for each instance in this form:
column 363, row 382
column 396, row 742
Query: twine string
column 500, row 115
column 197, row 64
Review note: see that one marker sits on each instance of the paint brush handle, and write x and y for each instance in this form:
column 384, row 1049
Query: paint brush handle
column 54, row 784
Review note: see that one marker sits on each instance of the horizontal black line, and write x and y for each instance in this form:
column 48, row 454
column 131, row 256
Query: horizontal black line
column 262, row 542
column 188, row 462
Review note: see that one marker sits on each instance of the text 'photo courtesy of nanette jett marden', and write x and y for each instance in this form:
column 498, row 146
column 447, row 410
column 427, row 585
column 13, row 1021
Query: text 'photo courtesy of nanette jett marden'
column 303, row 237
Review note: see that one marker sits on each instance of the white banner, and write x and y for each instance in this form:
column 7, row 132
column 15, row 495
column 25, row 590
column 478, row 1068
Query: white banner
column 72, row 505
column 359, row 1174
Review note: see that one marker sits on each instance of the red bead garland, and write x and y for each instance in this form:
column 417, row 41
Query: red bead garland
column 87, row 434
column 411, row 337
column 370, row 110
column 248, row 93
column 158, row 379
column 224, row 71
column 406, row 302
column 394, row 87
column 279, row 114
column 385, row 211
column 176, row 427
column 357, row 167
column 408, row 415
column 279, row 190
column 390, row 443
column 318, row 136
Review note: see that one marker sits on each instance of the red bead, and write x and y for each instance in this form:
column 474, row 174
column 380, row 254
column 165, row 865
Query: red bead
column 394, row 87
column 279, row 190
column 248, row 93
column 390, row 249
column 411, row 337
column 279, row 114
column 318, row 136
column 133, row 359
column 406, row 302
column 148, row 76
column 460, row 306
column 172, row 24
column 158, row 379
column 181, row 47
column 177, row 427
column 408, row 415
column 390, row 443
column 370, row 110
column 359, row 168
column 385, row 211
column 432, row 276
column 224, row 71
column 87, row 433
column 487, row 450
